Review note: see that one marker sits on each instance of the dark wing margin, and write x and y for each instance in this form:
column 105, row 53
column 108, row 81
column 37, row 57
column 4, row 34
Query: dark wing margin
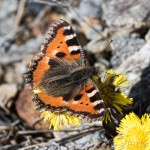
column 61, row 42
column 87, row 104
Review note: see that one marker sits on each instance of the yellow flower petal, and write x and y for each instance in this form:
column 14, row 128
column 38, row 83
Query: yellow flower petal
column 37, row 91
column 58, row 120
column 115, row 78
column 133, row 133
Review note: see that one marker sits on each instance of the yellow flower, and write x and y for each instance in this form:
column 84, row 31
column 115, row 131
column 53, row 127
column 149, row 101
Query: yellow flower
column 58, row 120
column 119, row 79
column 110, row 89
column 133, row 133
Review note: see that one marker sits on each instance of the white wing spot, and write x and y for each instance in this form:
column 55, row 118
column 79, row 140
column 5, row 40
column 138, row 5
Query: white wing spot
column 92, row 93
column 71, row 36
column 101, row 110
column 97, row 102
column 74, row 48
column 67, row 27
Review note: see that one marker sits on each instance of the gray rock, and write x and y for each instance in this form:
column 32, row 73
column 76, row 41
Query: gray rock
column 6, row 26
column 83, row 137
column 123, row 12
column 17, row 53
column 147, row 36
column 140, row 92
column 91, row 9
column 5, row 10
column 13, row 75
column 124, row 45
column 86, row 9
column 135, row 64
column 7, row 91
column 92, row 31
column 7, row 15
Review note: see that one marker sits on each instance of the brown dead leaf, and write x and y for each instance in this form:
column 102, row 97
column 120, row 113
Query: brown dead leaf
column 26, row 111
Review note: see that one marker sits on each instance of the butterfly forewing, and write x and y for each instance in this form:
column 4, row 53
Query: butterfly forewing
column 61, row 42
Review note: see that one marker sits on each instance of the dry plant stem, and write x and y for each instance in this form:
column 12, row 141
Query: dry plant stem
column 21, row 29
column 9, row 129
column 76, row 136
column 20, row 12
column 32, row 132
column 31, row 24
column 84, row 20
column 66, row 139
column 32, row 146
column 38, row 19
column 6, row 147
column 36, row 122
column 56, row 3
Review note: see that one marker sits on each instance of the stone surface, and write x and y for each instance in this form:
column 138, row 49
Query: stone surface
column 7, row 7
column 7, row 23
column 140, row 92
column 14, row 74
column 135, row 64
column 92, row 31
column 7, row 92
column 124, row 46
column 122, row 12
column 18, row 53
column 90, row 9
column 137, row 69
column 147, row 36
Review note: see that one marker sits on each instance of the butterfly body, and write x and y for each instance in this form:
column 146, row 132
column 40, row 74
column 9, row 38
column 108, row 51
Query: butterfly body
column 60, row 71
column 65, row 79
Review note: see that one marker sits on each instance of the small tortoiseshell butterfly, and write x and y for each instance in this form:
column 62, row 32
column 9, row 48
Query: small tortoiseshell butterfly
column 60, row 71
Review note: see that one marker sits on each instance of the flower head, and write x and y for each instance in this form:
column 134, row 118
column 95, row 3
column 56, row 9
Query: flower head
column 110, row 89
column 116, row 78
column 133, row 133
column 58, row 120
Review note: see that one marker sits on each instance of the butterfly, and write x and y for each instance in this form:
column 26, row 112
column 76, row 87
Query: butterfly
column 61, row 72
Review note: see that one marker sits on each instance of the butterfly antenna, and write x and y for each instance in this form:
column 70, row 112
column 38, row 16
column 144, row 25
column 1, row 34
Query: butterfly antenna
column 109, row 43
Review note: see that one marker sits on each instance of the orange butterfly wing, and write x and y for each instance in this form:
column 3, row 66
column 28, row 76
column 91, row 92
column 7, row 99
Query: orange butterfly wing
column 87, row 103
column 61, row 42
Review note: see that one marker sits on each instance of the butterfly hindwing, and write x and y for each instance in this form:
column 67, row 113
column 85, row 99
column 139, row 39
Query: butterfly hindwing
column 87, row 103
column 43, row 100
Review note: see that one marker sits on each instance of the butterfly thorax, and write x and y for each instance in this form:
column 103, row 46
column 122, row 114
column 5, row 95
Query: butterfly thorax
column 81, row 74
column 67, row 81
